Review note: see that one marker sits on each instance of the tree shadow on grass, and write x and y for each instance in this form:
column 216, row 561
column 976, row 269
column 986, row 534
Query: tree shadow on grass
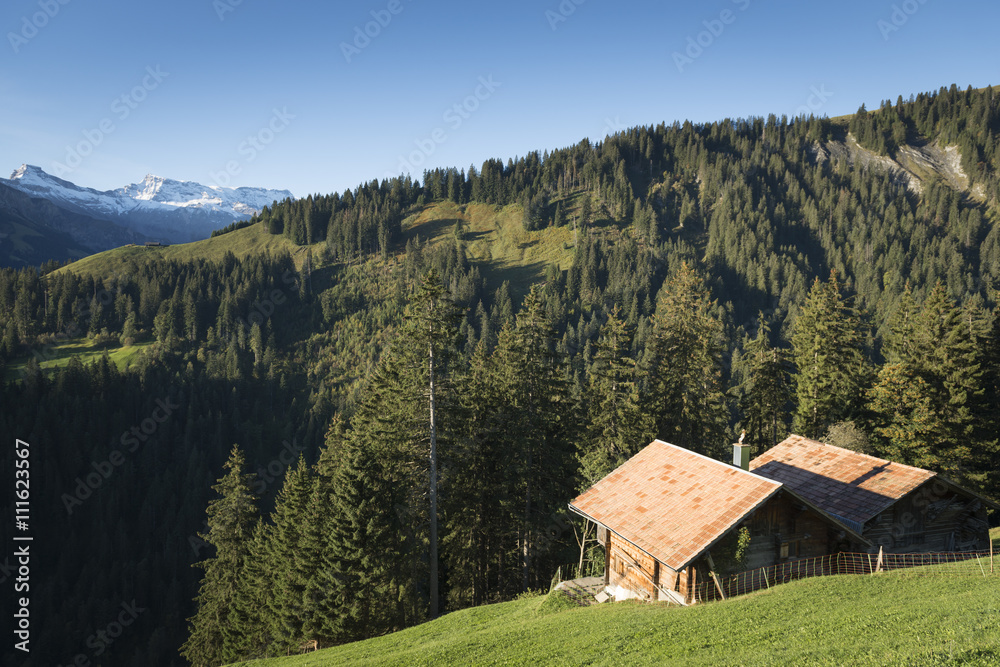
column 520, row 276
column 430, row 229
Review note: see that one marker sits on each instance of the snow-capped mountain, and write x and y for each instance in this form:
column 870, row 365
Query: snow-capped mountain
column 159, row 208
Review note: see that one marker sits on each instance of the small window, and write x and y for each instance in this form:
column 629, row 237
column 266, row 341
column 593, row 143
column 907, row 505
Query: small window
column 789, row 550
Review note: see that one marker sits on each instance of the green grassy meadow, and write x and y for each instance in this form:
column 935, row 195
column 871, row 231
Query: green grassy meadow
column 493, row 236
column 246, row 242
column 897, row 618
column 58, row 355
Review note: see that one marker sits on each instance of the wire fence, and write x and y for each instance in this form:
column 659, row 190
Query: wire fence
column 572, row 571
column 977, row 563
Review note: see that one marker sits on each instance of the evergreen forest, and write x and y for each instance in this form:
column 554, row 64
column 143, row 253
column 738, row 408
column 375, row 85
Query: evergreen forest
column 373, row 423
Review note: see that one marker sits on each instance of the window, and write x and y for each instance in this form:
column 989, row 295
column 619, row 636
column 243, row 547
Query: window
column 789, row 550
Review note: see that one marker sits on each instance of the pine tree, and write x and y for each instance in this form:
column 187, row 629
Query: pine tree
column 249, row 632
column 432, row 321
column 765, row 390
column 322, row 598
column 617, row 425
column 481, row 517
column 231, row 518
column 827, row 348
column 541, row 432
column 929, row 401
column 290, row 560
column 374, row 542
column 684, row 359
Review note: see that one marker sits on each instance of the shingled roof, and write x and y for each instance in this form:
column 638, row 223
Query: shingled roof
column 673, row 503
column 841, row 482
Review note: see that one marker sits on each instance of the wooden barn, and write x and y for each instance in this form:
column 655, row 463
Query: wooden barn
column 669, row 517
column 898, row 508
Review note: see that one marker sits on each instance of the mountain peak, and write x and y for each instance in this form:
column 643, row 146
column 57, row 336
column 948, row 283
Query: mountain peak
column 30, row 172
column 180, row 210
column 24, row 169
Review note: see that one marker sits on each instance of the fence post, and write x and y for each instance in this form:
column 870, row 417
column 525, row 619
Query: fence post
column 718, row 585
column 991, row 552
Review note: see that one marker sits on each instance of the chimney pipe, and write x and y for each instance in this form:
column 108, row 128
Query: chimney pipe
column 741, row 456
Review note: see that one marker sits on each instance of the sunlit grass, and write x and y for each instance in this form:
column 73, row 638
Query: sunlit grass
column 59, row 354
column 246, row 242
column 887, row 619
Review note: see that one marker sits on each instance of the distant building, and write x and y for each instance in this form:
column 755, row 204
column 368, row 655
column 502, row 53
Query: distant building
column 668, row 516
column 156, row 244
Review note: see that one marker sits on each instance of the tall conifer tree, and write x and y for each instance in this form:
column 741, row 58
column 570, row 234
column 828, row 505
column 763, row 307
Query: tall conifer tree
column 765, row 391
column 231, row 518
column 929, row 401
column 684, row 359
column 618, row 424
column 828, row 350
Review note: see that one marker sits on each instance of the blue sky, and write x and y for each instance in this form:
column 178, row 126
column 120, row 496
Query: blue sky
column 247, row 92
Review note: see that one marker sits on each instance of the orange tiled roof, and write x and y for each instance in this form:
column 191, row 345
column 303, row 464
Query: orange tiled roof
column 673, row 503
column 846, row 484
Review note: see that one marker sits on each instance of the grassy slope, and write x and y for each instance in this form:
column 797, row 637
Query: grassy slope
column 888, row 619
column 494, row 236
column 58, row 355
column 496, row 239
column 242, row 243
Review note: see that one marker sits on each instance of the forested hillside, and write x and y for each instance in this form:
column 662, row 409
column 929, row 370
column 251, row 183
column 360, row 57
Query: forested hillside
column 385, row 410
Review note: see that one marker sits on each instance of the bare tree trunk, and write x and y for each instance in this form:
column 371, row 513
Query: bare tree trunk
column 526, row 545
column 581, row 539
column 433, row 491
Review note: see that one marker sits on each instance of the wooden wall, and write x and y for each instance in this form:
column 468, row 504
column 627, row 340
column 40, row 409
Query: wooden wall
column 631, row 568
column 935, row 517
column 785, row 530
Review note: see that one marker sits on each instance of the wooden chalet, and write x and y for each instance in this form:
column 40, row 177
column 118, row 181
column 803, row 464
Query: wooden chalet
column 663, row 514
column 898, row 508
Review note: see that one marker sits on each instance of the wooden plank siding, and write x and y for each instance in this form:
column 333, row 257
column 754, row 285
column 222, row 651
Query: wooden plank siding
column 785, row 530
column 936, row 517
column 633, row 569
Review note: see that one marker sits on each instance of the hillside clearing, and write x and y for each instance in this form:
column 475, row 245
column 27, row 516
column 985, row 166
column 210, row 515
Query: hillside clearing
column 58, row 355
column 495, row 238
